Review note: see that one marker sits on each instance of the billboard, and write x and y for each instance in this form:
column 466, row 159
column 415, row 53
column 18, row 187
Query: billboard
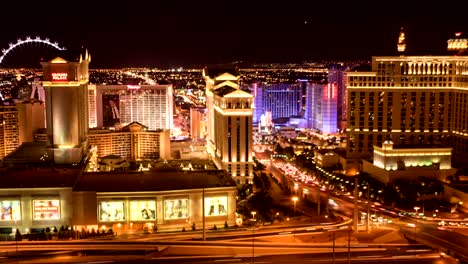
column 10, row 210
column 111, row 211
column 142, row 210
column 215, row 206
column 110, row 110
column 175, row 208
column 46, row 209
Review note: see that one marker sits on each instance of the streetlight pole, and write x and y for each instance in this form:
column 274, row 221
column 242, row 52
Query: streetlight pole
column 295, row 200
column 203, row 214
column 355, row 213
column 368, row 207
column 16, row 240
column 333, row 233
column 349, row 246
column 253, row 235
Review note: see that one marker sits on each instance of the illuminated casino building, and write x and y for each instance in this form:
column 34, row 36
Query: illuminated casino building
column 163, row 198
column 410, row 100
column 66, row 87
column 229, row 115
column 391, row 162
column 132, row 142
column 149, row 105
column 322, row 107
column 44, row 183
column 282, row 100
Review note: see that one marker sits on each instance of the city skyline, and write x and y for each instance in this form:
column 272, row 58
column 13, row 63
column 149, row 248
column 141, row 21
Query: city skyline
column 185, row 34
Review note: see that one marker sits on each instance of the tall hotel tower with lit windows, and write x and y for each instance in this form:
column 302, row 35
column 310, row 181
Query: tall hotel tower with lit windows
column 149, row 105
column 410, row 100
column 229, row 115
column 66, row 87
column 9, row 130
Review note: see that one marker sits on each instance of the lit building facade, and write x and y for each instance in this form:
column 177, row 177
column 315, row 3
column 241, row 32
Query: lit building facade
column 409, row 100
column 391, row 163
column 149, row 105
column 66, row 91
column 282, row 100
column 31, row 119
column 123, row 201
column 19, row 123
column 9, row 130
column 133, row 142
column 337, row 76
column 197, row 123
column 322, row 107
column 229, row 115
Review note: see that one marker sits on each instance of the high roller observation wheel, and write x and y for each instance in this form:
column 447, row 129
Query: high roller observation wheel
column 29, row 40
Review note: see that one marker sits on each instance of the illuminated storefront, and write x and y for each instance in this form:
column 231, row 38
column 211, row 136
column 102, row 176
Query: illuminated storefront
column 126, row 202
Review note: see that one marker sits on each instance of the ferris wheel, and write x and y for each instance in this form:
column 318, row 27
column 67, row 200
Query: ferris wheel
column 20, row 42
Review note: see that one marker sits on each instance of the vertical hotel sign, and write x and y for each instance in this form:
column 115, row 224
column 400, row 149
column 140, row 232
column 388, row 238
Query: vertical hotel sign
column 59, row 76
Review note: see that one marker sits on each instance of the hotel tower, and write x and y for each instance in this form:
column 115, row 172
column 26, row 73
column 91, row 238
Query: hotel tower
column 410, row 100
column 66, row 87
column 229, row 115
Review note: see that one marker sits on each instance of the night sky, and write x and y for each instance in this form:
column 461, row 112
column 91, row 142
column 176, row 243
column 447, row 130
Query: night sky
column 183, row 33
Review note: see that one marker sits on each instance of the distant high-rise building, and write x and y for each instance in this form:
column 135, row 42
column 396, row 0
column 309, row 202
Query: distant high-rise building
column 19, row 123
column 409, row 100
column 66, row 92
column 337, row 76
column 229, row 115
column 197, row 123
column 325, row 101
column 322, row 107
column 149, row 105
column 9, row 130
column 282, row 100
column 31, row 119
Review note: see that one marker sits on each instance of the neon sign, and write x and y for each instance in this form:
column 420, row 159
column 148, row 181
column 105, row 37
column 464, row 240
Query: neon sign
column 59, row 76
column 133, row 87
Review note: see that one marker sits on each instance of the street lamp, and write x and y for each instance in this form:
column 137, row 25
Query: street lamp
column 416, row 208
column 253, row 234
column 294, row 199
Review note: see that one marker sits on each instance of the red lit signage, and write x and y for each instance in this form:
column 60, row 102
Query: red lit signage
column 59, row 76
column 133, row 87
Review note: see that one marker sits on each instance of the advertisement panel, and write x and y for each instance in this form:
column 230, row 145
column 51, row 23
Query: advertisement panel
column 110, row 109
column 175, row 208
column 215, row 206
column 46, row 209
column 142, row 210
column 111, row 211
column 10, row 210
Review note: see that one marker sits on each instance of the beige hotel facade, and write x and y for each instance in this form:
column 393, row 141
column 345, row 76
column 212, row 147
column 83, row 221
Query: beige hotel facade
column 410, row 100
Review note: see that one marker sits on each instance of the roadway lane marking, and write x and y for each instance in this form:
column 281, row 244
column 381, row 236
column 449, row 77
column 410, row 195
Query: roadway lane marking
column 226, row 260
column 284, row 233
column 372, row 256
